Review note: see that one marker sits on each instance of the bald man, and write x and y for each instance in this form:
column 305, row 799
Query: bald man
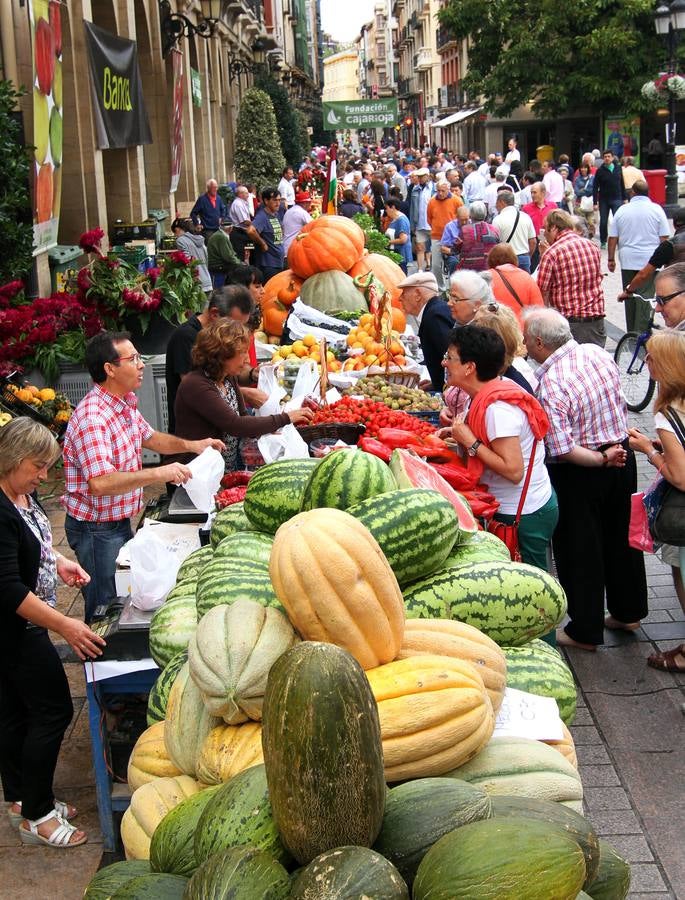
column 209, row 209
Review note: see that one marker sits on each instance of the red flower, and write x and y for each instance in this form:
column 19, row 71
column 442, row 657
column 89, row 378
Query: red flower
column 153, row 274
column 178, row 256
column 11, row 289
column 83, row 279
column 90, row 240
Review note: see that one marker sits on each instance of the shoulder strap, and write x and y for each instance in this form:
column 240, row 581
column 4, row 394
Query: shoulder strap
column 677, row 423
column 510, row 287
column 511, row 234
column 526, row 482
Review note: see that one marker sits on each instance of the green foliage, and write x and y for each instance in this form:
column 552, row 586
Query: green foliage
column 15, row 212
column 374, row 240
column 302, row 126
column 594, row 55
column 226, row 194
column 258, row 154
column 286, row 118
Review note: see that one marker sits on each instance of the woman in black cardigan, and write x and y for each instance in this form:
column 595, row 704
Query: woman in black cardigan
column 35, row 701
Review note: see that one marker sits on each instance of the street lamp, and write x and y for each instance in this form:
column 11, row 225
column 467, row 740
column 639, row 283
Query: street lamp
column 239, row 67
column 174, row 26
column 669, row 21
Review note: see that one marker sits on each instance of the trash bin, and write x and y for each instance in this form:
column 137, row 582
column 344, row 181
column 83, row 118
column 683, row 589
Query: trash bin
column 160, row 216
column 63, row 265
column 545, row 152
column 656, row 180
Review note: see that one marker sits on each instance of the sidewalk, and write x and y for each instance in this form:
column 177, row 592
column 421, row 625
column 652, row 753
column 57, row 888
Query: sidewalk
column 629, row 733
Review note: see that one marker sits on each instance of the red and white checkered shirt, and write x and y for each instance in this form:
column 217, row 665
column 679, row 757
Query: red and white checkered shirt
column 105, row 434
column 570, row 276
column 580, row 390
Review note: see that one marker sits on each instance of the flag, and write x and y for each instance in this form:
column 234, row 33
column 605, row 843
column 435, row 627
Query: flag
column 330, row 204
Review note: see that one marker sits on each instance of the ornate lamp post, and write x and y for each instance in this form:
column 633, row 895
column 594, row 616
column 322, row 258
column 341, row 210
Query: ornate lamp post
column 174, row 26
column 669, row 20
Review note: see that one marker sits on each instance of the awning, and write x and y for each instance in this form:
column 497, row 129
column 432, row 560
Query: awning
column 456, row 117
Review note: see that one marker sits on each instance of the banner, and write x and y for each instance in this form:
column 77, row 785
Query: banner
column 46, row 34
column 118, row 105
column 177, row 119
column 341, row 114
column 622, row 136
column 195, row 87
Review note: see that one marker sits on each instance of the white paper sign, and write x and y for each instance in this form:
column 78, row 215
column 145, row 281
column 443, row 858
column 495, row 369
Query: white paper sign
column 528, row 716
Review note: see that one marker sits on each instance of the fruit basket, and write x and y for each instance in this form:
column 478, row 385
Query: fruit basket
column 42, row 404
column 399, row 376
column 343, row 431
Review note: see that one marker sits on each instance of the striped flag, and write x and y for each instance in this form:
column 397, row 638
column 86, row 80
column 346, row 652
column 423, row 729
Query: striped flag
column 330, row 205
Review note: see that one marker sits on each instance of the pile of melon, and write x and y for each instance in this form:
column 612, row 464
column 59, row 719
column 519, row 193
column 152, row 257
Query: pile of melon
column 322, row 727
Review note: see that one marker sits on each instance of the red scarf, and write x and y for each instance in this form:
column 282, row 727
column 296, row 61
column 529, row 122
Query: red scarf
column 509, row 392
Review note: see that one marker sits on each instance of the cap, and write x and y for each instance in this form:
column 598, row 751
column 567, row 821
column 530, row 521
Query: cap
column 422, row 171
column 302, row 196
column 420, row 280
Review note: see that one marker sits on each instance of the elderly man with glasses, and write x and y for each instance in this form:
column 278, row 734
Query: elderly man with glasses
column 103, row 473
column 420, row 298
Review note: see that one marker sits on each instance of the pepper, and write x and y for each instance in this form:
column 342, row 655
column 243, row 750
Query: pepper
column 371, row 445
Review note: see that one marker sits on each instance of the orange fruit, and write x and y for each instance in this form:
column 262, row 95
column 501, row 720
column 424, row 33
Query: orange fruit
column 400, row 361
column 357, row 345
column 309, row 340
column 366, row 319
column 396, row 348
column 399, row 320
column 370, row 359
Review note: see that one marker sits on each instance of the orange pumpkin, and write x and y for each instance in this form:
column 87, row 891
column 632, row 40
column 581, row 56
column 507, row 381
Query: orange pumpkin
column 385, row 270
column 329, row 242
column 285, row 286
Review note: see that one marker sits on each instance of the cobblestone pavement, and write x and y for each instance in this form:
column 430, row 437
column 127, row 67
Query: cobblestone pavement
column 629, row 735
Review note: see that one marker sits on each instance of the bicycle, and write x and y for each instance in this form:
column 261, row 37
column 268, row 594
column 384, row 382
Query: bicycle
column 630, row 357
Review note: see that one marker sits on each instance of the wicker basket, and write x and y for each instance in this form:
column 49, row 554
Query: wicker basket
column 344, row 431
column 400, row 376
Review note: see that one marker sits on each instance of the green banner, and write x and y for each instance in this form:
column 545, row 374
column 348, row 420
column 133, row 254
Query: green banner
column 341, row 114
column 195, row 87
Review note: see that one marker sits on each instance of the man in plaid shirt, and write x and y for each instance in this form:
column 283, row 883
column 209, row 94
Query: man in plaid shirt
column 593, row 472
column 103, row 473
column 570, row 278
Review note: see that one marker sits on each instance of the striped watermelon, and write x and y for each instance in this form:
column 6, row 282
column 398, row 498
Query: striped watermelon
column 228, row 521
column 481, row 547
column 345, row 478
column 252, row 546
column 225, row 581
column 510, row 602
column 239, row 873
column 171, row 627
column 193, row 564
column 275, row 493
column 413, row 527
column 159, row 693
column 540, row 669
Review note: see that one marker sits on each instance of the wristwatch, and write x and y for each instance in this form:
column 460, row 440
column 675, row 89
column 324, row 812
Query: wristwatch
column 473, row 449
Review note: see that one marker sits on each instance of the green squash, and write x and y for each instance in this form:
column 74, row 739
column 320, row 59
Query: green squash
column 105, row 882
column 172, row 845
column 240, row 873
column 155, row 886
column 612, row 881
column 349, row 873
column 331, row 290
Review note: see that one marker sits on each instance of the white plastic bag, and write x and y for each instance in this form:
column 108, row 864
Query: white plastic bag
column 285, row 444
column 153, row 569
column 208, row 470
column 268, row 383
column 306, row 383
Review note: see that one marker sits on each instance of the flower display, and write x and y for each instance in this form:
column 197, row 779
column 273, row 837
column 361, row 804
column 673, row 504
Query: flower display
column 90, row 241
column 311, row 179
column 664, row 87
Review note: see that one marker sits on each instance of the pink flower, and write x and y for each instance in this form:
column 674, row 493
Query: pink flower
column 90, row 240
column 178, row 256
column 153, row 274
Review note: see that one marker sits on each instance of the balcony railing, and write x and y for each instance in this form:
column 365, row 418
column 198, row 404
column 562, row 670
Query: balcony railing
column 423, row 59
column 407, row 86
column 444, row 37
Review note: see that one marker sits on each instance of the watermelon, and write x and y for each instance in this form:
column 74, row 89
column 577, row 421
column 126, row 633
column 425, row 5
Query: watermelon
column 412, row 471
column 185, row 588
column 322, row 749
column 413, row 527
column 345, row 478
column 239, row 814
column 502, row 859
column 331, row 291
column 172, row 846
column 558, row 815
column 612, row 881
column 193, row 564
column 481, row 546
column 540, row 669
column 420, row 812
column 228, row 521
column 510, row 602
column 154, row 886
column 171, row 627
column 159, row 692
column 275, row 492
column 252, row 546
column 239, row 873
column 349, row 872
column 224, row 581
column 105, row 882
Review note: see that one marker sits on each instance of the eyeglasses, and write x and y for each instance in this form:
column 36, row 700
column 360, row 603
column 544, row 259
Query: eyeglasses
column 448, row 359
column 662, row 301
column 135, row 358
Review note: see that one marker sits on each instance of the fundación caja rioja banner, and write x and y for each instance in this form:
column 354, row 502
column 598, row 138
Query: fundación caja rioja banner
column 120, row 113
column 341, row 114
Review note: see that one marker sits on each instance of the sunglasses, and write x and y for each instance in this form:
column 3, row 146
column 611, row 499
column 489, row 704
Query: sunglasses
column 662, row 301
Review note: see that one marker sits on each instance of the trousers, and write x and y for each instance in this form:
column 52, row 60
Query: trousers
column 97, row 545
column 605, row 207
column 591, row 548
column 35, row 711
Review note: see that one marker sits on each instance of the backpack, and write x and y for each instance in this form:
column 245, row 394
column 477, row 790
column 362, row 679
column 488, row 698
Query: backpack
column 477, row 240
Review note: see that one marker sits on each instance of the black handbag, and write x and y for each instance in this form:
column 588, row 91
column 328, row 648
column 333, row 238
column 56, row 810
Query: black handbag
column 668, row 525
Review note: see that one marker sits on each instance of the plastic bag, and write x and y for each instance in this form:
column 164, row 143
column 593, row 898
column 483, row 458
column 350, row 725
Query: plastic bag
column 268, row 383
column 285, row 444
column 208, row 470
column 154, row 568
column 639, row 537
column 306, row 383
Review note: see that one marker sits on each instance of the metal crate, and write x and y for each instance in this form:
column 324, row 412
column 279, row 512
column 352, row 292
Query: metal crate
column 74, row 382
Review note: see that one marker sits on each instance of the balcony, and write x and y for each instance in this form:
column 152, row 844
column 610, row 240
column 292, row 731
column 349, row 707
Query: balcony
column 423, row 8
column 406, row 87
column 423, row 59
column 444, row 39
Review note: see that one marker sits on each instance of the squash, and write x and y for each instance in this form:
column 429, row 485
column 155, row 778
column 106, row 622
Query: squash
column 229, row 749
column 337, row 586
column 348, row 872
column 322, row 751
column 239, row 873
column 149, row 804
column 435, row 715
column 187, row 722
column 612, row 881
column 280, row 292
column 332, row 290
column 565, row 746
column 459, row 640
column 329, row 242
column 231, row 653
column 149, row 759
column 387, row 271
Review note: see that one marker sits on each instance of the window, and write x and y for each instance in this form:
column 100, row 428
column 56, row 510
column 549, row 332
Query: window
column 380, row 49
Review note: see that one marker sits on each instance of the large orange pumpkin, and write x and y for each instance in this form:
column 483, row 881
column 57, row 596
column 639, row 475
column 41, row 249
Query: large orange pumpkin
column 384, row 269
column 280, row 292
column 329, row 242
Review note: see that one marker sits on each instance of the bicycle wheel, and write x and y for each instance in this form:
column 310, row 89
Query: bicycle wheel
column 637, row 385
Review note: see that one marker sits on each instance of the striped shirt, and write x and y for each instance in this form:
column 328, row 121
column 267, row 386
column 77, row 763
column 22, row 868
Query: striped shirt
column 580, row 390
column 105, row 435
column 570, row 276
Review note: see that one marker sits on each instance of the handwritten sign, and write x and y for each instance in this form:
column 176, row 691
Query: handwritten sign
column 528, row 716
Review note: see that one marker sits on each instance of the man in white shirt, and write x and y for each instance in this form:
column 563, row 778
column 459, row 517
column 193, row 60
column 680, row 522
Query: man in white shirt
column 637, row 229
column 490, row 195
column 285, row 187
column 239, row 213
column 474, row 184
column 295, row 218
column 513, row 153
column 553, row 182
column 515, row 228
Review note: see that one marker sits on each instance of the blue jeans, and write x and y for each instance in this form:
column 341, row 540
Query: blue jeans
column 524, row 262
column 97, row 545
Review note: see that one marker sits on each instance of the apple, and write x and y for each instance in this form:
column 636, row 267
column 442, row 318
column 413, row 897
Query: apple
column 45, row 55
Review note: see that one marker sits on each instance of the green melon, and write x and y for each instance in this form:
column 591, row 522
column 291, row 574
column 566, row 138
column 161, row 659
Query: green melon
column 275, row 492
column 612, row 881
column 159, row 692
column 108, row 880
column 331, row 290
column 193, row 564
column 540, row 669
column 251, row 546
column 172, row 847
column 171, row 627
column 420, row 812
column 239, row 873
column 228, row 521
column 481, row 547
column 239, row 814
column 155, row 886
column 345, row 478
column 502, row 859
column 224, row 581
column 413, row 527
column 322, row 750
column 349, row 873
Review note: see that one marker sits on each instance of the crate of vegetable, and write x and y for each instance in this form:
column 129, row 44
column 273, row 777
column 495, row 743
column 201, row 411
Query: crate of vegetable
column 45, row 405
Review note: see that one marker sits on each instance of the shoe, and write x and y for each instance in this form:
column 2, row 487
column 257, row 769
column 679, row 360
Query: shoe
column 61, row 808
column 565, row 640
column 603, row 246
column 667, row 660
column 60, row 839
column 616, row 625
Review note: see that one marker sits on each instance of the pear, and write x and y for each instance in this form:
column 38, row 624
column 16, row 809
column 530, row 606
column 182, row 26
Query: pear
column 41, row 126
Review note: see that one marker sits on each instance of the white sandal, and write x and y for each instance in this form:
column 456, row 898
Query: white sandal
column 61, row 808
column 60, row 838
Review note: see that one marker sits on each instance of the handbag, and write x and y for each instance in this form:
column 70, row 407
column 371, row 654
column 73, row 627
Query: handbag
column 586, row 204
column 509, row 533
column 666, row 502
column 639, row 537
